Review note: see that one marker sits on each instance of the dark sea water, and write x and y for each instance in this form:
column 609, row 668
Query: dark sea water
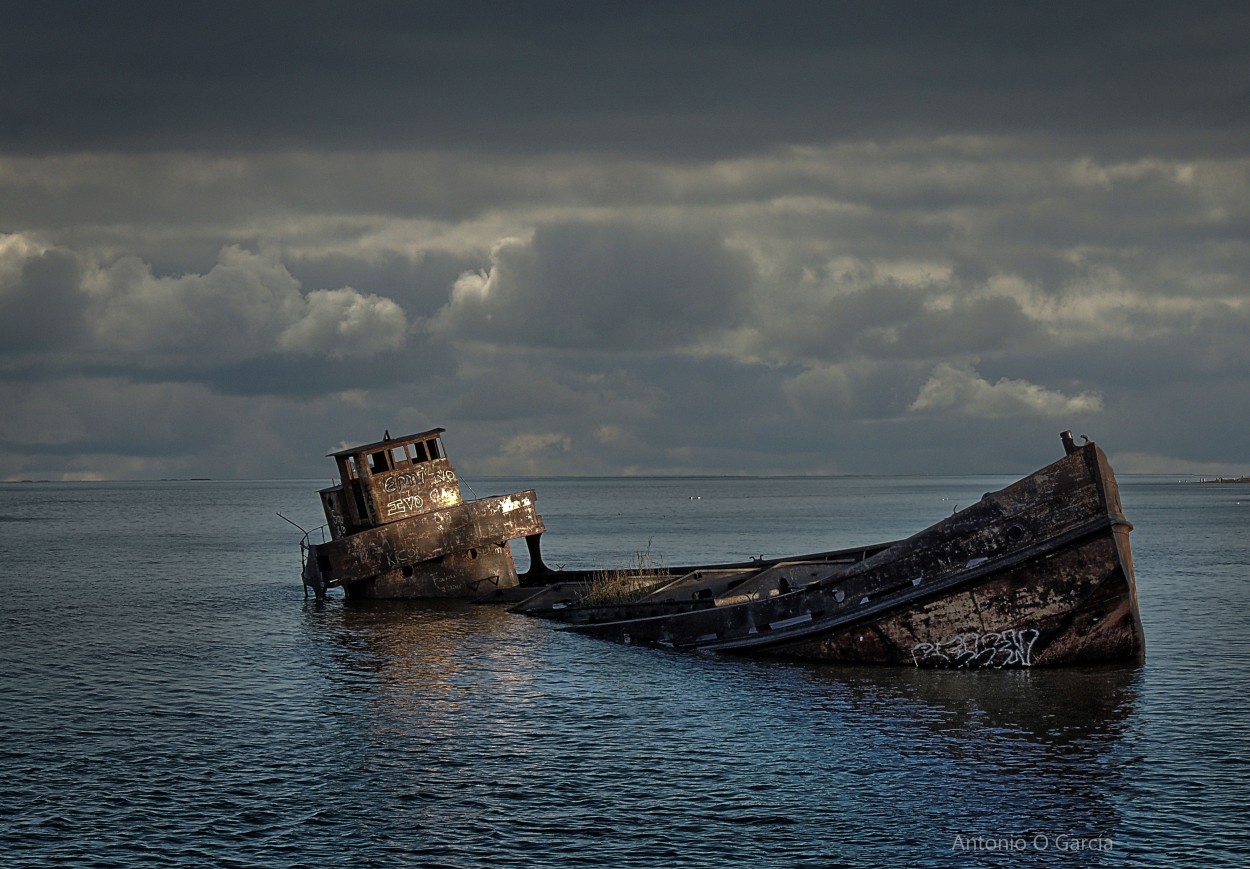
column 170, row 698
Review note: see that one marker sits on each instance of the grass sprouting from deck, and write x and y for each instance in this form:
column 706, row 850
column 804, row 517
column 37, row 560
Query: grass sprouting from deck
column 625, row 584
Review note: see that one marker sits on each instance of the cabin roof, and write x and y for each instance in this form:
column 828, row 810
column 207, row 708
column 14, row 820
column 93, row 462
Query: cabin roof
column 386, row 443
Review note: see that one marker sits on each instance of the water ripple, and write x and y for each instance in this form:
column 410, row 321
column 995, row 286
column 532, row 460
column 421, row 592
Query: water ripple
column 170, row 700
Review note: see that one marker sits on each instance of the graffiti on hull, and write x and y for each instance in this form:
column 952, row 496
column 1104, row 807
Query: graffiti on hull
column 968, row 651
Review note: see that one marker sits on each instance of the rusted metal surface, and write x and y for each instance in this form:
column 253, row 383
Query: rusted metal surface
column 400, row 528
column 471, row 573
column 428, row 536
column 1039, row 573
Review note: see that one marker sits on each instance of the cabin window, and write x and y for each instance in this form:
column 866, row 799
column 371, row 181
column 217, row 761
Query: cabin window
column 399, row 457
column 418, row 451
column 436, row 449
column 380, row 461
column 352, row 471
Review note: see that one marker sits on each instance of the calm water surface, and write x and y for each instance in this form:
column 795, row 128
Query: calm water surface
column 170, row 698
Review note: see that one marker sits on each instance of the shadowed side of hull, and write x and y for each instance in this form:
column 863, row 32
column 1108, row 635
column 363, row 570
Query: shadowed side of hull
column 469, row 574
column 1074, row 608
column 1038, row 573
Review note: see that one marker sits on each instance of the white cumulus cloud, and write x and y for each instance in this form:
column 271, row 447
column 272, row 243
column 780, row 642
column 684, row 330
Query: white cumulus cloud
column 247, row 305
column 345, row 322
column 962, row 390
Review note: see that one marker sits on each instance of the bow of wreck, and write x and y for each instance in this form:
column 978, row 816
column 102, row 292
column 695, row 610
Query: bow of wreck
column 1037, row 573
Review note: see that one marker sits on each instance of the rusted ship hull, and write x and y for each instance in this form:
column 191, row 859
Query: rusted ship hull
column 1002, row 620
column 1037, row 574
column 461, row 551
column 399, row 527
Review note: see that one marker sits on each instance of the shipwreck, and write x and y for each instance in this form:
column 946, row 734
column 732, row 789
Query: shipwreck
column 399, row 527
column 1039, row 573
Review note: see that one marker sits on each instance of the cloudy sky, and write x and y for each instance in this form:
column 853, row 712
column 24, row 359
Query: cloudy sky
column 590, row 238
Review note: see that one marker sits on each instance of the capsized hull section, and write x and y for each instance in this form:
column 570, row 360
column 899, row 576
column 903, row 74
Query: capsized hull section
column 1039, row 573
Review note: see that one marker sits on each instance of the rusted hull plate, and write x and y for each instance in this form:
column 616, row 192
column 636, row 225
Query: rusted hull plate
column 461, row 574
column 455, row 551
column 1076, row 608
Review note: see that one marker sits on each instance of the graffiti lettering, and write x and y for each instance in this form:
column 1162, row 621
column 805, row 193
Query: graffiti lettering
column 399, row 482
column 337, row 524
column 416, row 479
column 996, row 649
column 400, row 557
column 406, row 504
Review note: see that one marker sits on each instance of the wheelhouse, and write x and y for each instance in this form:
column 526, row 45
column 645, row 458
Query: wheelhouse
column 389, row 480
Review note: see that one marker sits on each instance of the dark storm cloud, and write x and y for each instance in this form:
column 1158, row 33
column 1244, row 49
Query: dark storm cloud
column 647, row 414
column 612, row 286
column 725, row 237
column 41, row 302
column 885, row 320
column 651, row 78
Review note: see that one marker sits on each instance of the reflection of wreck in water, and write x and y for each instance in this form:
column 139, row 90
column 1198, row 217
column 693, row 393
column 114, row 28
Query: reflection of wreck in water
column 1079, row 707
column 1048, row 750
column 399, row 527
column 419, row 665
